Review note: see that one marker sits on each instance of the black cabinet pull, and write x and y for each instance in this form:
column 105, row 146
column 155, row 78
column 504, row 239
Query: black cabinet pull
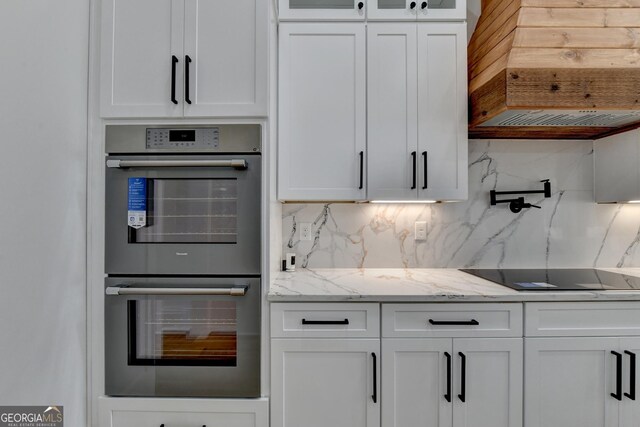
column 374, row 396
column 618, row 394
column 463, row 377
column 472, row 322
column 360, row 5
column 174, row 62
column 187, row 61
column 424, row 5
column 414, row 161
column 361, row 171
column 426, row 181
column 632, row 375
column 325, row 322
column 412, row 5
column 447, row 396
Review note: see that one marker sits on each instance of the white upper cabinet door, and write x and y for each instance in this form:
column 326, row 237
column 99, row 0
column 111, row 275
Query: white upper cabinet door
column 226, row 43
column 569, row 381
column 630, row 404
column 325, row 382
column 488, row 382
column 393, row 112
column 322, row 120
column 402, row 10
column 417, row 387
column 442, row 111
column 446, row 10
column 321, row 10
column 142, row 58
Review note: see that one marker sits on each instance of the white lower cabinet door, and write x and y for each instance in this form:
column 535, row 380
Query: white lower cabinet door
column 325, row 382
column 488, row 382
column 569, row 381
column 630, row 402
column 417, row 384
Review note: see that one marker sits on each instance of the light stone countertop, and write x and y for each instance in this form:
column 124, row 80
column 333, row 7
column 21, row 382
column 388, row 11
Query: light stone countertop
column 418, row 285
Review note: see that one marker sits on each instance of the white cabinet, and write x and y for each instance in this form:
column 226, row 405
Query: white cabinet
column 411, row 10
column 488, row 372
column 175, row 58
column 322, row 117
column 445, row 382
column 325, row 382
column 569, row 381
column 616, row 167
column 321, row 10
column 417, row 98
column 584, row 373
column 141, row 42
column 142, row 412
column 325, row 371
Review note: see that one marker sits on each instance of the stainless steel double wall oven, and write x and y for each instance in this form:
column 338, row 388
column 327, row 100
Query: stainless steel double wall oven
column 182, row 310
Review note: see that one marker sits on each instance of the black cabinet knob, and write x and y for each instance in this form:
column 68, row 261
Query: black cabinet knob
column 360, row 5
column 424, row 5
column 412, row 5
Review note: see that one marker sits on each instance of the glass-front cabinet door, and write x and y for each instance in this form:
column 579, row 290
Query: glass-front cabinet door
column 347, row 10
column 407, row 10
column 442, row 10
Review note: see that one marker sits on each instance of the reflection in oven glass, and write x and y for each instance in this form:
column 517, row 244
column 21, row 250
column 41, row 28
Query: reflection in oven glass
column 189, row 211
column 193, row 331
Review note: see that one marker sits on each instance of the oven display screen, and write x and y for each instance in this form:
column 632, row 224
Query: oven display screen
column 182, row 135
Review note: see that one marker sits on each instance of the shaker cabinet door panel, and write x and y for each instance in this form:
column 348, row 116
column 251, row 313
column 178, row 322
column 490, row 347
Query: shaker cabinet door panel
column 630, row 404
column 139, row 39
column 393, row 112
column 325, row 382
column 488, row 382
column 226, row 41
column 442, row 111
column 322, row 122
column 414, row 382
column 569, row 381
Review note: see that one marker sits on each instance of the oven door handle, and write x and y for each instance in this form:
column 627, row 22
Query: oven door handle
column 239, row 291
column 233, row 163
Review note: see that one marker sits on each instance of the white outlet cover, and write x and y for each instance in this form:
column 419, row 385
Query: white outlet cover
column 420, row 230
column 305, row 231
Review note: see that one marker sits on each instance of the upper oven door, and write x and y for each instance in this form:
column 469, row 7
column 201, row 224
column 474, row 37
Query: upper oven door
column 187, row 214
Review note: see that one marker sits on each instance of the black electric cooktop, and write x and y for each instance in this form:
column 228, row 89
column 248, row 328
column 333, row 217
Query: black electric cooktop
column 553, row 280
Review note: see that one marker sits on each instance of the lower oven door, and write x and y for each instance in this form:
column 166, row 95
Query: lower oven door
column 182, row 337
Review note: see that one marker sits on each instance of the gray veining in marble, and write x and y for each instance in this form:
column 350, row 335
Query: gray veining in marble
column 569, row 231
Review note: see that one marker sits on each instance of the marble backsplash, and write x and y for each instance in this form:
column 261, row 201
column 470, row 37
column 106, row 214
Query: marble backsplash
column 569, row 231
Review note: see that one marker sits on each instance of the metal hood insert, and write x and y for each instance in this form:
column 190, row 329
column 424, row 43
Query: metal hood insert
column 555, row 69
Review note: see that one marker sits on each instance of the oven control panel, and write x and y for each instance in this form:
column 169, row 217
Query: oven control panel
column 200, row 138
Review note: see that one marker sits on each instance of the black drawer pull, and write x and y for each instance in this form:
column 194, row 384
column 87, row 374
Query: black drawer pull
column 463, row 377
column 618, row 394
column 187, row 61
column 448, row 395
column 174, row 62
column 325, row 322
column 472, row 322
column 374, row 396
column 632, row 375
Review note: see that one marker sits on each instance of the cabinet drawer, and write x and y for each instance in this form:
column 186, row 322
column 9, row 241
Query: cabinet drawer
column 126, row 412
column 325, row 320
column 451, row 320
column 582, row 319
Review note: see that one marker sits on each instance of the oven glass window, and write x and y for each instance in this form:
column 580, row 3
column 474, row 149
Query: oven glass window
column 189, row 211
column 170, row 331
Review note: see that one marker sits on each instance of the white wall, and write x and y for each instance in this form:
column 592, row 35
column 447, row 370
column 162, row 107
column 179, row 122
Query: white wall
column 43, row 109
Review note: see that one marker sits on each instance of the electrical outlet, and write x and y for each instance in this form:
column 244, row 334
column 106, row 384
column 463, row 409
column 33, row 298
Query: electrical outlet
column 421, row 230
column 305, row 231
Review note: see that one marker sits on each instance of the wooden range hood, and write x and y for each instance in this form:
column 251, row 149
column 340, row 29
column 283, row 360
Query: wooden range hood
column 555, row 69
